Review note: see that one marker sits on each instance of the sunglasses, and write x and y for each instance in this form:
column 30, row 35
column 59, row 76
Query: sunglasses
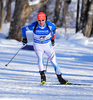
column 41, row 20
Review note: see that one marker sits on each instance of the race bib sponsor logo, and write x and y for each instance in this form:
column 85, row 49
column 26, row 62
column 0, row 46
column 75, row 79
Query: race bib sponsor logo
column 42, row 31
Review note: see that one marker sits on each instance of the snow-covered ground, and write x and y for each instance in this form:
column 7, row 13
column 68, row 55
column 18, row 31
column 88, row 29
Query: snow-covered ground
column 20, row 80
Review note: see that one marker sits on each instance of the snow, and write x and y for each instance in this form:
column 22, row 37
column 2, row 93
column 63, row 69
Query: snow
column 33, row 2
column 20, row 80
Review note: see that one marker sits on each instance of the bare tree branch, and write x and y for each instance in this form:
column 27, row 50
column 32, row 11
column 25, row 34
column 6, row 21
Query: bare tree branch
column 37, row 6
column 21, row 13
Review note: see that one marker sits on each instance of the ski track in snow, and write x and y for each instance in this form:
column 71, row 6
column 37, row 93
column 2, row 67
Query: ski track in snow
column 20, row 80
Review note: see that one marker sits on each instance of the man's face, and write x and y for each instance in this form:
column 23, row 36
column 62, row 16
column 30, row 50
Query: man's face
column 41, row 22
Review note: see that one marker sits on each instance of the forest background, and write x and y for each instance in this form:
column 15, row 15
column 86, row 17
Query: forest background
column 59, row 12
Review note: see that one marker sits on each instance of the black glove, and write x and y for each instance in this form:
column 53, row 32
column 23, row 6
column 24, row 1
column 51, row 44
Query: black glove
column 53, row 42
column 24, row 40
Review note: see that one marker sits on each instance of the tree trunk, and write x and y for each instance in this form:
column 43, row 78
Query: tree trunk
column 84, row 11
column 44, row 9
column 1, row 13
column 8, row 8
column 18, row 20
column 88, row 27
column 21, row 13
column 77, row 18
column 62, row 20
column 57, row 10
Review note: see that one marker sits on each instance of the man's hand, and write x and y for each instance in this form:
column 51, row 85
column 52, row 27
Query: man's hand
column 24, row 40
column 53, row 42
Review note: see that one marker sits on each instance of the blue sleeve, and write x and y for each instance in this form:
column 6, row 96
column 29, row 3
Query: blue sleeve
column 52, row 26
column 30, row 27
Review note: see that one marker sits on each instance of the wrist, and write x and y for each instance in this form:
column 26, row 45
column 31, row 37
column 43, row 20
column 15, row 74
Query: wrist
column 53, row 37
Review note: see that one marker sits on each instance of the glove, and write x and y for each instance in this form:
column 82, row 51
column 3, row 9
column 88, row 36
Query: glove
column 53, row 42
column 24, row 40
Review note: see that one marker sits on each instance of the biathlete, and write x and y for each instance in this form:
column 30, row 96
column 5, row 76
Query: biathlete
column 43, row 42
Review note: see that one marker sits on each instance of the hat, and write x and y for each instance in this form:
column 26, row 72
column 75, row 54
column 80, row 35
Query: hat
column 41, row 16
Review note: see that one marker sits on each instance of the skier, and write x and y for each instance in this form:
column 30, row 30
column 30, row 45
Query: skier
column 44, row 35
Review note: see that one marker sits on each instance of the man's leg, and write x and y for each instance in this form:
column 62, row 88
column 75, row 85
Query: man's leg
column 51, row 54
column 40, row 66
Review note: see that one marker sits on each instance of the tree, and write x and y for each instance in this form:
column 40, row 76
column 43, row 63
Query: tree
column 77, row 18
column 8, row 11
column 21, row 13
column 88, row 27
column 58, row 7
column 64, row 12
column 84, row 12
column 1, row 13
column 86, row 19
column 44, row 9
column 57, row 10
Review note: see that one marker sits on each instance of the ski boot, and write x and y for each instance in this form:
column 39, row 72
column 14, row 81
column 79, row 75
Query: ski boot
column 61, row 80
column 43, row 77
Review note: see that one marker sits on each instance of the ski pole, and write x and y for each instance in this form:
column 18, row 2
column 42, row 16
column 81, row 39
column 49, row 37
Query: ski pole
column 48, row 61
column 14, row 56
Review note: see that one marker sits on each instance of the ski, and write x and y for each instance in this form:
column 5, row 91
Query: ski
column 43, row 84
column 77, row 84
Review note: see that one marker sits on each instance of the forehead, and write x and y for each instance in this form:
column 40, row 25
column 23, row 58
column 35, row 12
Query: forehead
column 41, row 20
